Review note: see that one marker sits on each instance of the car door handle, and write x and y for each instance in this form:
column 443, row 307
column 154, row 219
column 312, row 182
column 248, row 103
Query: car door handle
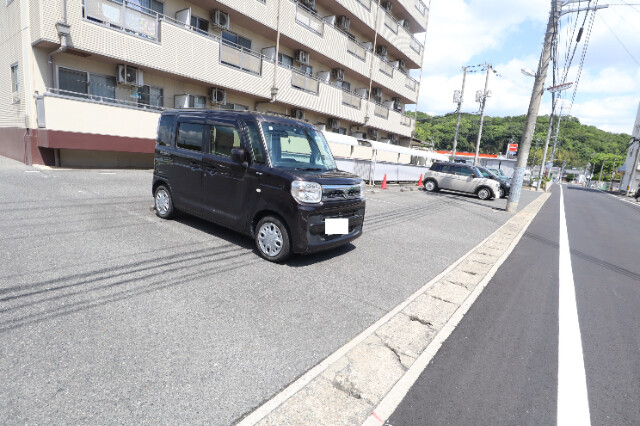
column 211, row 170
column 259, row 173
column 194, row 166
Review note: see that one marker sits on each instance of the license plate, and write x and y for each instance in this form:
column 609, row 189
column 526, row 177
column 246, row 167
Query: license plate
column 336, row 226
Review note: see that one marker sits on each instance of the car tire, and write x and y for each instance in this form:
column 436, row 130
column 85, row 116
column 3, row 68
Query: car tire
column 484, row 193
column 501, row 193
column 163, row 203
column 430, row 185
column 272, row 239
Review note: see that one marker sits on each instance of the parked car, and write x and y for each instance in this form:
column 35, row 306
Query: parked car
column 272, row 178
column 461, row 178
column 501, row 175
column 505, row 185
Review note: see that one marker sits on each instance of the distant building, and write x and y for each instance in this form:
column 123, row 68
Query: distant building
column 85, row 85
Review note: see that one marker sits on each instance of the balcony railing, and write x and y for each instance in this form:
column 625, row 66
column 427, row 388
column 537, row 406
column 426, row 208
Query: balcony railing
column 351, row 99
column 240, row 57
column 125, row 15
column 405, row 120
column 391, row 23
column 305, row 82
column 103, row 99
column 356, row 49
column 309, row 19
column 381, row 111
column 410, row 83
column 420, row 6
column 386, row 67
column 365, row 3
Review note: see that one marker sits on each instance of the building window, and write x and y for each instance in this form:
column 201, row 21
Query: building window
column 200, row 24
column 85, row 85
column 147, row 6
column 15, row 83
column 345, row 85
column 197, row 101
column 341, row 131
column 307, row 69
column 150, row 95
column 234, row 39
column 285, row 60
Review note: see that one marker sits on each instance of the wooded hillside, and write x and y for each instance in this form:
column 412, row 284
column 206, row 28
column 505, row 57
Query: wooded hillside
column 576, row 142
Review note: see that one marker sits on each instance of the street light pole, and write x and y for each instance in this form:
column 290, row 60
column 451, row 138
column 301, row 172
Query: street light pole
column 482, row 98
column 543, row 166
column 459, row 100
column 613, row 172
column 601, row 169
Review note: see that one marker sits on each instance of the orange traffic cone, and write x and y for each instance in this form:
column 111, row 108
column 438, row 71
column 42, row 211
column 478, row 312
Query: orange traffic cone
column 384, row 182
column 420, row 180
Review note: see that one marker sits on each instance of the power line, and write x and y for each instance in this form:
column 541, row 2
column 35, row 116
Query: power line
column 620, row 41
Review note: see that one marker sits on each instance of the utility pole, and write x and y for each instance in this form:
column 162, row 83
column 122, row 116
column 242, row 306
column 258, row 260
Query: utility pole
column 635, row 166
column 459, row 98
column 536, row 96
column 601, row 169
column 543, row 166
column 482, row 98
column 555, row 139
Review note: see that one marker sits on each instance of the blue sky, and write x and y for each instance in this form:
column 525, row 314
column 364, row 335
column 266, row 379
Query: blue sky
column 509, row 35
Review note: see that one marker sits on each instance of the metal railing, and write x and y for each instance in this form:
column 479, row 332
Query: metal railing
column 124, row 14
column 410, row 83
column 365, row 3
column 239, row 57
column 309, row 19
column 415, row 45
column 101, row 99
column 305, row 82
column 420, row 6
column 405, row 120
column 351, row 99
column 381, row 111
column 356, row 49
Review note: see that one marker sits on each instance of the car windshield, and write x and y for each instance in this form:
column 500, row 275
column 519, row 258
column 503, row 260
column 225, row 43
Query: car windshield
column 497, row 173
column 485, row 173
column 299, row 148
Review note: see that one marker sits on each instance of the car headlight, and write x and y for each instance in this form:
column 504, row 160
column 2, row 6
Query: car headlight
column 306, row 192
column 363, row 186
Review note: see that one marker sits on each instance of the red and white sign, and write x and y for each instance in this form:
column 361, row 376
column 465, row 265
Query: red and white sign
column 513, row 147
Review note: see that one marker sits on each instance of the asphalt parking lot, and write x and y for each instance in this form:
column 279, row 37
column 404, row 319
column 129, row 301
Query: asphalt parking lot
column 109, row 314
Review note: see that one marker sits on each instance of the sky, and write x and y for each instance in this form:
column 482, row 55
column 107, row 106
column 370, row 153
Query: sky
column 509, row 36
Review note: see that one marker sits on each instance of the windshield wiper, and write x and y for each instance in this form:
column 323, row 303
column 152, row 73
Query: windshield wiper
column 308, row 168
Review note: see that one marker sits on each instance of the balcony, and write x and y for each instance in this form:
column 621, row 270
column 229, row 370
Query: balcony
column 356, row 49
column 351, row 99
column 241, row 58
column 385, row 67
column 305, row 82
column 405, row 120
column 410, row 83
column 127, row 16
column 381, row 111
column 309, row 19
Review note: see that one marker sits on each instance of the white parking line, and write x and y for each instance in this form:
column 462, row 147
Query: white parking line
column 573, row 401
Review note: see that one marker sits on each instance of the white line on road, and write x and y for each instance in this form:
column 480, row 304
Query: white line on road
column 573, row 401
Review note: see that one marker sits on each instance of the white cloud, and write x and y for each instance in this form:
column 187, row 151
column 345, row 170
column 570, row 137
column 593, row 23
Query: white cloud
column 461, row 31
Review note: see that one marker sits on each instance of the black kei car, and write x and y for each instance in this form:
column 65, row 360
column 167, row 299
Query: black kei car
column 505, row 185
column 269, row 177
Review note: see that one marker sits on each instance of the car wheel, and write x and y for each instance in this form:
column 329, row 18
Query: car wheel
column 430, row 186
column 163, row 203
column 272, row 239
column 484, row 193
column 500, row 193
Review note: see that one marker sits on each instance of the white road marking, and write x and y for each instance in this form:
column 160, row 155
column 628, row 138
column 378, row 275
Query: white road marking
column 32, row 171
column 106, row 173
column 573, row 400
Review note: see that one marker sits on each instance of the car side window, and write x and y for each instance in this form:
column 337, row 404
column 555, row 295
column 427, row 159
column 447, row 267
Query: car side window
column 223, row 139
column 255, row 141
column 464, row 171
column 190, row 136
column 164, row 130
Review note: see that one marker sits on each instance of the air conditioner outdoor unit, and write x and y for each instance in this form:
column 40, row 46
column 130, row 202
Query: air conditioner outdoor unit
column 331, row 19
column 220, row 19
column 405, row 24
column 297, row 113
column 381, row 50
column 217, row 96
column 386, row 5
column 130, row 75
column 363, row 93
column 311, row 4
column 358, row 135
column 269, row 52
column 344, row 23
column 373, row 134
column 333, row 123
column 402, row 64
column 337, row 74
column 323, row 76
column 376, row 92
column 368, row 45
column 397, row 104
column 302, row 56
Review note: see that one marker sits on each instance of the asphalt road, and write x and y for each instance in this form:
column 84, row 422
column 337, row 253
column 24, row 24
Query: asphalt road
column 501, row 364
column 109, row 314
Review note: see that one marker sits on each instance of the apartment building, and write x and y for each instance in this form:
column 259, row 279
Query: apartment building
column 82, row 82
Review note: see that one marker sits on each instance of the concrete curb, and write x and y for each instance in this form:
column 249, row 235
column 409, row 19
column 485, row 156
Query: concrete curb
column 366, row 379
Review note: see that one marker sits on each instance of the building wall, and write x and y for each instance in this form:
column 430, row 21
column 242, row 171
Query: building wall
column 631, row 157
column 12, row 114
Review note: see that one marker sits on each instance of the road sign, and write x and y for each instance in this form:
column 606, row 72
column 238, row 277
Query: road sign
column 513, row 147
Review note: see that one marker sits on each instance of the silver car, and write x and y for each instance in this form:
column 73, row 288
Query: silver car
column 462, row 178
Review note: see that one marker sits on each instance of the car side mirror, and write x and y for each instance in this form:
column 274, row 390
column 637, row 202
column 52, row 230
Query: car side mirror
column 239, row 155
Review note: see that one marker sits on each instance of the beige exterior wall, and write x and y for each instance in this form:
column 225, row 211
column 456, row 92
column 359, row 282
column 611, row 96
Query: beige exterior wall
column 12, row 112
